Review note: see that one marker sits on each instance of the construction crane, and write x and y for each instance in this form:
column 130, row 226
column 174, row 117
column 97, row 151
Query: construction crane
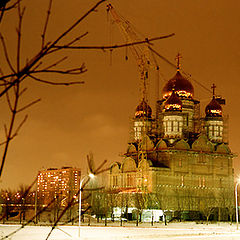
column 140, row 52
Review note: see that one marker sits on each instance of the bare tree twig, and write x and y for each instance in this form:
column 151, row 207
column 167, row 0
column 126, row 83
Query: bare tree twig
column 55, row 83
column 6, row 53
column 100, row 166
column 46, row 22
column 29, row 105
column 7, row 76
column 20, row 125
column 9, row 102
column 19, row 33
column 77, row 22
column 74, row 71
column 56, row 63
column 10, row 7
column 70, row 43
column 31, row 220
column 5, row 129
column 22, row 91
column 114, row 46
column 3, row 7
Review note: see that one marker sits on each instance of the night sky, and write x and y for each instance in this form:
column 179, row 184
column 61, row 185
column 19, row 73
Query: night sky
column 71, row 121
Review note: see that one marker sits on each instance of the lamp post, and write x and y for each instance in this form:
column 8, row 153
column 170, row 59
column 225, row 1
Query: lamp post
column 91, row 175
column 236, row 203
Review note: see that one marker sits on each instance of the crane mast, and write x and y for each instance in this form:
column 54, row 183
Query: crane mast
column 139, row 52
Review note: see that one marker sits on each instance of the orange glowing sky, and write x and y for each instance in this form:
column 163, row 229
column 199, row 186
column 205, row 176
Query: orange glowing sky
column 71, row 121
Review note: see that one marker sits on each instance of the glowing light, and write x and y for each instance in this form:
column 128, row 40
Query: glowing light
column 215, row 111
column 91, row 175
column 172, row 106
column 180, row 93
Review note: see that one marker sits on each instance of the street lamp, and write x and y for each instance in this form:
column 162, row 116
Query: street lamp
column 91, row 175
column 236, row 202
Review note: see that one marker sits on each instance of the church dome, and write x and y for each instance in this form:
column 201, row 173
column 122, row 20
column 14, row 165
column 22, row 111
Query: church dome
column 213, row 109
column 173, row 103
column 182, row 86
column 143, row 110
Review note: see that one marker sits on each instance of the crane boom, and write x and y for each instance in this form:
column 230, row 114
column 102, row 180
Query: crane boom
column 139, row 52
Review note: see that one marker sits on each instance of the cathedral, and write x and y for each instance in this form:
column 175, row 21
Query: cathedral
column 177, row 160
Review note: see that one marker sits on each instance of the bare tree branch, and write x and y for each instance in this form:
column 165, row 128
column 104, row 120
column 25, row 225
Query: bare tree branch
column 73, row 71
column 22, row 91
column 28, row 105
column 56, row 63
column 68, row 44
column 3, row 7
column 4, row 2
column 46, row 22
column 28, row 222
column 9, row 102
column 19, row 127
column 6, row 53
column 19, row 33
column 115, row 46
column 55, row 83
column 76, row 23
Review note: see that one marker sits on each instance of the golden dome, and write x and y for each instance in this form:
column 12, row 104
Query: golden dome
column 173, row 103
column 143, row 110
column 182, row 86
column 213, row 109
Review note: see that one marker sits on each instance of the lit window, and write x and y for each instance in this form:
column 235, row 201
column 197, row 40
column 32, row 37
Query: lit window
column 180, row 163
column 203, row 181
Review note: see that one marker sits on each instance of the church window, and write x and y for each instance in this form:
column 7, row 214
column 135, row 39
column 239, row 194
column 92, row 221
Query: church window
column 182, row 180
column 199, row 182
column 201, row 158
column 203, row 181
column 130, row 180
column 180, row 163
column 175, row 126
column 169, row 126
column 221, row 166
column 115, row 181
column 221, row 131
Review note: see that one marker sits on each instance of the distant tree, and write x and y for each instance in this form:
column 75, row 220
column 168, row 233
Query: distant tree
column 207, row 203
column 140, row 202
column 14, row 202
column 100, row 204
column 226, row 203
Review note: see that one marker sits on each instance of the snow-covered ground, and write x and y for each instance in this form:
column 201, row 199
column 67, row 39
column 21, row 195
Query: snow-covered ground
column 172, row 231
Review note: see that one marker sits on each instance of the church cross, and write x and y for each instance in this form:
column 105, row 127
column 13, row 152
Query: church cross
column 213, row 88
column 178, row 60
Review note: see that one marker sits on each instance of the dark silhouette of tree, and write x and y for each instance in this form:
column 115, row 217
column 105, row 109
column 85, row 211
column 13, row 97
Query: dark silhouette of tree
column 36, row 67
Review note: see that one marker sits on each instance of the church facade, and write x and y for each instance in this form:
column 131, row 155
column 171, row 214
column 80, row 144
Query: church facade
column 176, row 161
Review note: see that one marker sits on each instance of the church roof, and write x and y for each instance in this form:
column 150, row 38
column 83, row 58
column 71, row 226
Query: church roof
column 173, row 102
column 182, row 86
column 143, row 110
column 213, row 109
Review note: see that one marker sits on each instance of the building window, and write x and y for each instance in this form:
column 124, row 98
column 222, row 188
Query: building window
column 180, row 163
column 201, row 158
column 182, row 181
column 201, row 182
column 129, row 180
column 115, row 181
column 221, row 166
